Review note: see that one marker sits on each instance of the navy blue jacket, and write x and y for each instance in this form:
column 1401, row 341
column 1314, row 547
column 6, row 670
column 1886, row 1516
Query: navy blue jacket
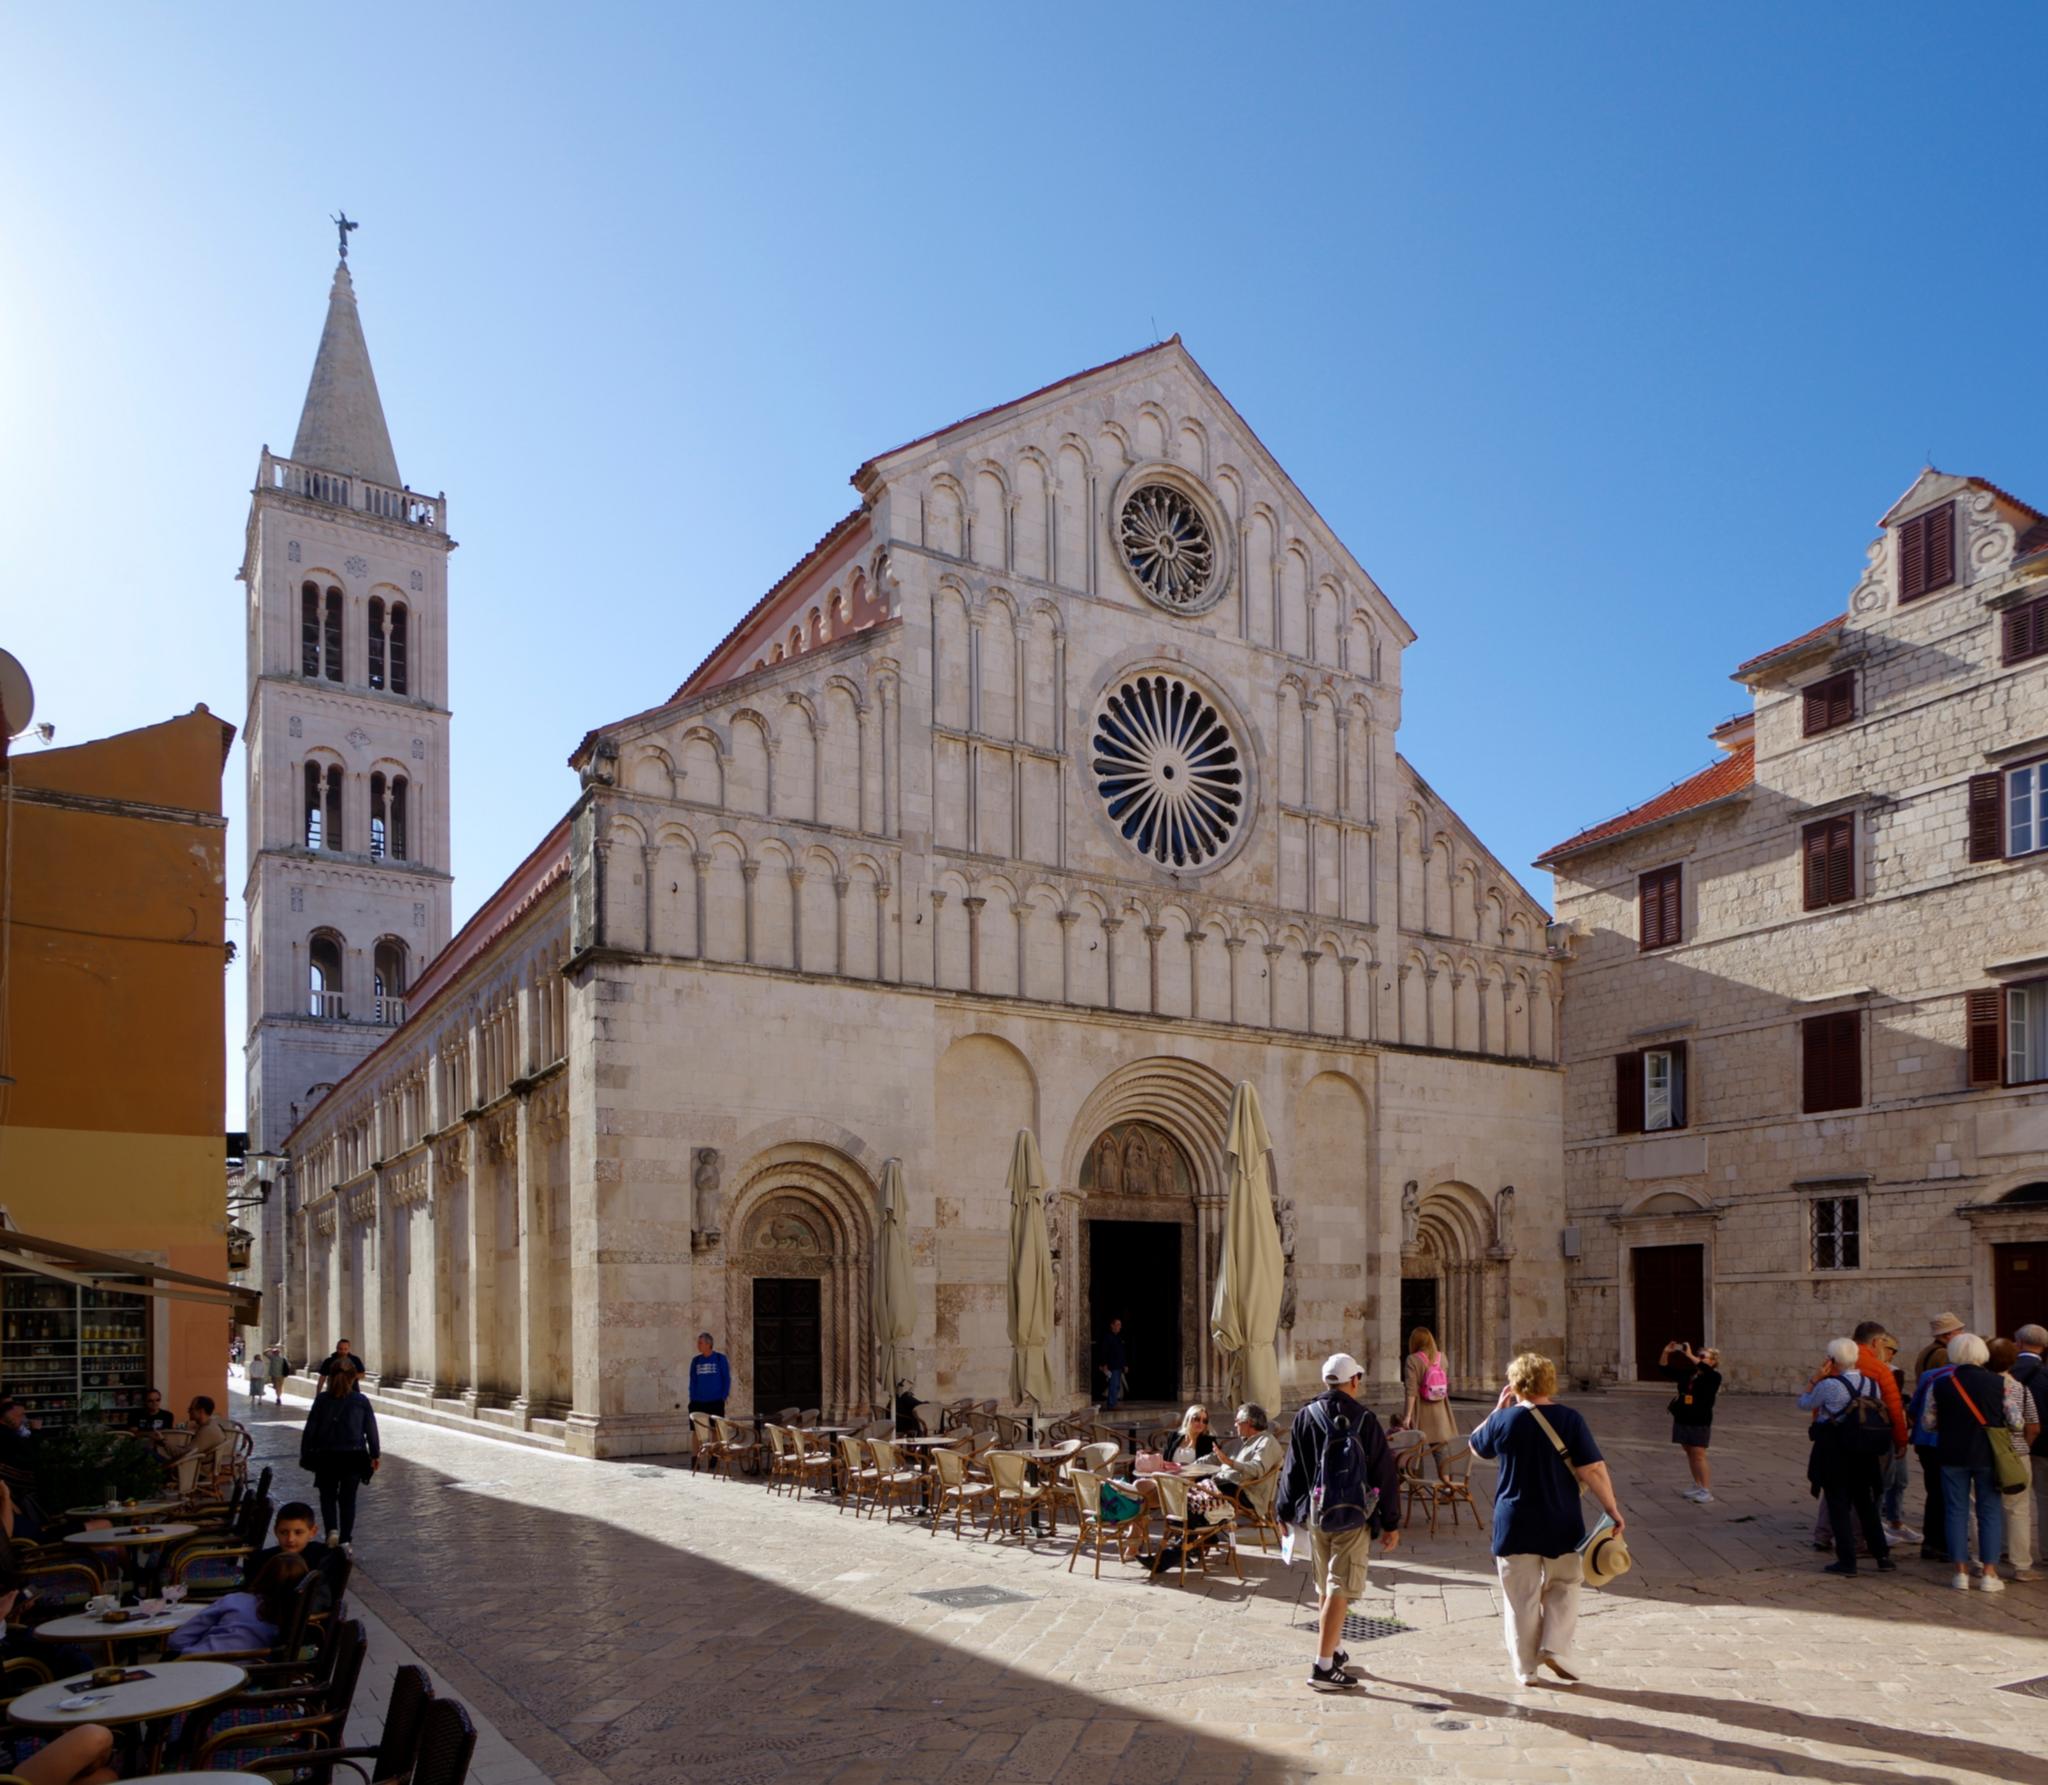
column 1305, row 1452
column 339, row 1423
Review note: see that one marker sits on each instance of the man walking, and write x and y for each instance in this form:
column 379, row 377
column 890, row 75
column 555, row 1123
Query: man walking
column 710, row 1379
column 1112, row 1364
column 2027, row 1371
column 1340, row 1484
column 340, row 1358
column 276, row 1367
column 1929, row 1368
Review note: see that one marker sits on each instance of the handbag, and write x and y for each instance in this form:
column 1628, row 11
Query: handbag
column 2008, row 1466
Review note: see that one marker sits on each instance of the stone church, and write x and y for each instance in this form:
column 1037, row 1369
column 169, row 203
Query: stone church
column 1055, row 787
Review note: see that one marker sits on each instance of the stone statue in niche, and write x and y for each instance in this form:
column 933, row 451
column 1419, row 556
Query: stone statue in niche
column 1138, row 1167
column 1411, row 1216
column 1504, row 1222
column 1287, row 1239
column 1052, row 1240
column 1109, row 1176
column 705, row 1168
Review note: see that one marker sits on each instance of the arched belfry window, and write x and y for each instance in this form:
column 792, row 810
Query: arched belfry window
column 376, row 639
column 398, row 643
column 323, row 990
column 309, row 630
column 387, row 817
column 332, row 631
column 319, row 632
column 388, row 982
column 323, row 806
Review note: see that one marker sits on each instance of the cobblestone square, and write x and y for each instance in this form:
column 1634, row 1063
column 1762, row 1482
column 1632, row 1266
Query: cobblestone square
column 621, row 1623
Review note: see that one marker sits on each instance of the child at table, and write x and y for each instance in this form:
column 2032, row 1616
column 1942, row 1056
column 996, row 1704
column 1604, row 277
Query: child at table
column 294, row 1528
column 250, row 1620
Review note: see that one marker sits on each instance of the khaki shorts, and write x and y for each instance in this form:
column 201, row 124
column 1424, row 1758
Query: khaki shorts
column 1339, row 1559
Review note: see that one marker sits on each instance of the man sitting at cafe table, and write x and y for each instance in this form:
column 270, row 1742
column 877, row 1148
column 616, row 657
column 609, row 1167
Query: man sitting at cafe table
column 1251, row 1477
column 203, row 1436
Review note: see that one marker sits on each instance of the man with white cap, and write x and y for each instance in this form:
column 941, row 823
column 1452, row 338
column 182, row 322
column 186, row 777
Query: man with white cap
column 1340, row 1484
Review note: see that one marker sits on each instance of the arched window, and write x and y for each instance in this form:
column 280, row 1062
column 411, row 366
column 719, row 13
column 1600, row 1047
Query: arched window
column 387, row 817
column 377, row 824
column 333, row 635
column 398, row 640
column 309, row 630
column 316, row 817
column 323, row 954
column 376, row 640
column 389, row 980
column 397, row 826
column 323, row 806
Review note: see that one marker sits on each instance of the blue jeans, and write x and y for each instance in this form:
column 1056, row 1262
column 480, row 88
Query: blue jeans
column 1894, row 1503
column 1116, row 1389
column 1956, row 1482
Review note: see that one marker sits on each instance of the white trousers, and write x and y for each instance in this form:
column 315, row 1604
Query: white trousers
column 2019, row 1519
column 1542, row 1606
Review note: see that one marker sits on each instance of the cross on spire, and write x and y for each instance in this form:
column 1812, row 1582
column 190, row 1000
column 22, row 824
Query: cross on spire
column 343, row 223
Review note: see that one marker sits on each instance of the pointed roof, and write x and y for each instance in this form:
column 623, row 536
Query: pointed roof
column 342, row 426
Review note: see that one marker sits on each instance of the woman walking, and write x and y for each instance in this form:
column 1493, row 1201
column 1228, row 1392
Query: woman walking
column 339, row 1446
column 1547, row 1455
column 1697, row 1375
column 1958, row 1413
column 1427, row 1374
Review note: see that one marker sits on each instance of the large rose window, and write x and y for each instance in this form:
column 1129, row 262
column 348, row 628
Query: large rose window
column 1168, row 772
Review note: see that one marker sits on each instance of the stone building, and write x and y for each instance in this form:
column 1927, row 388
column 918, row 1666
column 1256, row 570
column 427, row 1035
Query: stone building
column 1056, row 786
column 1807, row 1054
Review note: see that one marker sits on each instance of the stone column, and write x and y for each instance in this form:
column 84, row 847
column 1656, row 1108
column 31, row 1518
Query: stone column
column 750, row 871
column 1346, row 962
column 881, row 930
column 533, row 1257
column 1195, row 940
column 1021, row 912
column 974, row 904
column 1153, row 931
column 699, row 862
column 1110, row 926
column 649, row 855
column 840, row 883
column 1233, row 946
column 1067, row 919
column 479, row 1258
column 1311, row 958
column 382, row 1319
column 796, row 918
column 1274, row 950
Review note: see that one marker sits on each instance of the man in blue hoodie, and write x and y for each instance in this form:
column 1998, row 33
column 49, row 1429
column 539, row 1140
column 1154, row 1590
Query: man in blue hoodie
column 710, row 1379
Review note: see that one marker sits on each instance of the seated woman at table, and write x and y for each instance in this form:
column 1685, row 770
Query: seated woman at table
column 18, row 1641
column 79, row 1756
column 250, row 1619
column 1248, row 1480
column 1192, row 1442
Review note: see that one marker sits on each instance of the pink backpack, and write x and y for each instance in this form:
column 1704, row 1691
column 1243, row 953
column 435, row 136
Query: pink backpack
column 1436, row 1385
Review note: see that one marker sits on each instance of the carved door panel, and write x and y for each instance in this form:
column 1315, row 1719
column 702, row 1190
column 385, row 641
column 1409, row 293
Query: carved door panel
column 788, row 1357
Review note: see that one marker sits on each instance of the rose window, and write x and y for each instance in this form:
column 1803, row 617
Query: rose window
column 1169, row 773
column 1166, row 543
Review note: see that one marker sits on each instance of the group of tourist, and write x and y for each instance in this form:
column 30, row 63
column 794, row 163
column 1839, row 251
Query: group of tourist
column 1969, row 1411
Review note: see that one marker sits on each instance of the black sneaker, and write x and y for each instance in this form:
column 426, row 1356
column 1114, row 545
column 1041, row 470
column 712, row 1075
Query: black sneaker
column 1334, row 1675
column 1342, row 1658
column 1885, row 1565
column 1839, row 1568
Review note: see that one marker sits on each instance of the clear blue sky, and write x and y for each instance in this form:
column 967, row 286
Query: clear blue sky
column 1603, row 334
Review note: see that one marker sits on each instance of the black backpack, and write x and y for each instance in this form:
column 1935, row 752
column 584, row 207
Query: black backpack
column 1863, row 1427
column 1340, row 1499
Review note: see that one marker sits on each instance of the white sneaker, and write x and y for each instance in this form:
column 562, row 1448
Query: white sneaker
column 1960, row 1580
column 1990, row 1583
column 1703, row 1497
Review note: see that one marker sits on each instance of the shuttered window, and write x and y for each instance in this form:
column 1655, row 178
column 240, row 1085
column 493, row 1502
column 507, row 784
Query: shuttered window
column 1658, row 907
column 1828, row 704
column 1651, row 1089
column 1827, row 862
column 2026, row 809
column 1927, row 552
column 2023, row 631
column 1987, row 817
column 1984, row 1021
column 1833, row 1063
column 2026, row 1033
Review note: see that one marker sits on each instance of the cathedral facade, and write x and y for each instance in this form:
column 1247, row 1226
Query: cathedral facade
column 1055, row 787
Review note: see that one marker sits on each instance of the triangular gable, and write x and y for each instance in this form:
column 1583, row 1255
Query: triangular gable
column 1934, row 485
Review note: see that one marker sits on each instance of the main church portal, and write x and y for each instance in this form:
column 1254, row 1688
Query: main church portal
column 1138, row 1233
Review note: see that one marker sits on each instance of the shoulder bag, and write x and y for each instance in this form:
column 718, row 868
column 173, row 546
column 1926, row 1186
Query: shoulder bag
column 1614, row 1564
column 2009, row 1466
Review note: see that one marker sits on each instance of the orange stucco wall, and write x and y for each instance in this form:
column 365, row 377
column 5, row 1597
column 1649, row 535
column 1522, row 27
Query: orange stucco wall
column 111, row 1135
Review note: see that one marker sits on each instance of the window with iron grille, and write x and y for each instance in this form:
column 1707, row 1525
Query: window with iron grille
column 1838, row 1233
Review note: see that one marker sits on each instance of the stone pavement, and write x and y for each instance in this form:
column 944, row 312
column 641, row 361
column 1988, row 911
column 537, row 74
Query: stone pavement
column 622, row 1622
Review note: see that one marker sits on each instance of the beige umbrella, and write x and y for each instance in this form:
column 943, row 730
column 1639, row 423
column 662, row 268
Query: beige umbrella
column 1030, row 1277
column 1251, row 1274
column 895, row 1289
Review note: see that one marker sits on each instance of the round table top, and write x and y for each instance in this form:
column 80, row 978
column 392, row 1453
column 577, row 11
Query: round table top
column 829, row 1431
column 124, row 1509
column 1045, row 1456
column 93, row 1628
column 172, row 1686
column 131, row 1534
column 950, row 1439
column 211, row 1778
column 1200, row 1471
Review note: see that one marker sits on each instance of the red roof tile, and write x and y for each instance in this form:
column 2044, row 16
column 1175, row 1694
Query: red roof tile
column 1805, row 638
column 1734, row 773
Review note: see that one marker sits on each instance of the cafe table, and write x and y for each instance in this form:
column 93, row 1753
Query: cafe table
column 136, row 1627
column 146, row 1541
column 124, row 1509
column 171, row 1688
column 210, row 1778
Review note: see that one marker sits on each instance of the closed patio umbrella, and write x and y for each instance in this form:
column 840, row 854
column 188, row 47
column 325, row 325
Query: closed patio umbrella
column 1030, row 1277
column 895, row 1289
column 1251, row 1274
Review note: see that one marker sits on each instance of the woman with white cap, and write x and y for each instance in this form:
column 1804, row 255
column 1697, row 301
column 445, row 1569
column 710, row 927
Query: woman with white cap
column 1547, row 1456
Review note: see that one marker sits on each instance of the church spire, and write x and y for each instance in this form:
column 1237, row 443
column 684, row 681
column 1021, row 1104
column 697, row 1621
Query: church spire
column 342, row 426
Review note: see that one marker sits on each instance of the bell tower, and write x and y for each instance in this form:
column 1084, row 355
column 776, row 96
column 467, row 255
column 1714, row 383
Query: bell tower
column 348, row 886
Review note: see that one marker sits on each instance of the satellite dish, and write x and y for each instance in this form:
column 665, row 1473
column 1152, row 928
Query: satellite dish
column 17, row 697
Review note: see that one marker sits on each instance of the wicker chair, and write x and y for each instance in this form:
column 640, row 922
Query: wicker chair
column 1418, row 1494
column 310, row 1715
column 779, row 1456
column 951, row 1486
column 740, row 1449
column 1199, row 1538
column 896, row 1482
column 954, row 1414
column 398, row 1746
column 1452, row 1487
column 1090, row 1531
column 859, row 1479
column 1015, row 1498
column 1011, row 1432
column 704, row 1452
column 447, row 1741
column 62, row 1588
column 811, row 1464
column 1059, row 1490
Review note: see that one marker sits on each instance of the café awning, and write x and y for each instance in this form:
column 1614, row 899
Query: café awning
column 88, row 1269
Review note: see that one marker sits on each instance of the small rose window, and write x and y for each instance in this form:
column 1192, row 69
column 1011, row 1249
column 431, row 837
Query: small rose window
column 1166, row 544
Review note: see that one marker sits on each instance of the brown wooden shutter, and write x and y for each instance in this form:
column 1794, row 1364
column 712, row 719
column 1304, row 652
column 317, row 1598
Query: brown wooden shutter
column 1628, row 1093
column 1672, row 916
column 1828, row 704
column 2016, row 633
column 1941, row 546
column 1984, row 1016
column 1987, row 817
column 1913, row 560
column 1681, row 1082
column 1841, row 860
column 1833, row 1061
column 1813, row 864
column 1815, row 717
column 1649, row 911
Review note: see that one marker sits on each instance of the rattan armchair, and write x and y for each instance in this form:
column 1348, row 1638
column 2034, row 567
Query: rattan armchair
column 396, row 1751
column 952, row 1486
column 1126, row 1535
column 810, row 1463
column 896, row 1482
column 859, row 1479
column 1015, row 1498
column 739, row 1448
column 1200, row 1538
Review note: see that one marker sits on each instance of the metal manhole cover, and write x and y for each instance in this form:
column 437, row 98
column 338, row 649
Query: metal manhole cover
column 2034, row 1688
column 1360, row 1628
column 1449, row 1723
column 962, row 1598
column 650, row 1474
